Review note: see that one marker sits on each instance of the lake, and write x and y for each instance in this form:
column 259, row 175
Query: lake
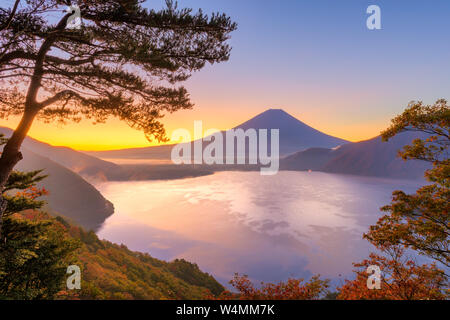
column 293, row 224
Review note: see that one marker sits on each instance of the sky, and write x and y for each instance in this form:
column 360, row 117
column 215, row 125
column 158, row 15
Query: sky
column 316, row 60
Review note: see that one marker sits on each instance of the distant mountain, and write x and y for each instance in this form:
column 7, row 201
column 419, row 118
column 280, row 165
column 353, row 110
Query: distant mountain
column 69, row 194
column 294, row 136
column 78, row 162
column 152, row 153
column 309, row 159
column 96, row 170
column 369, row 158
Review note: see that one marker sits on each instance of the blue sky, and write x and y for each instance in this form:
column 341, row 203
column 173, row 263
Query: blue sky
column 317, row 58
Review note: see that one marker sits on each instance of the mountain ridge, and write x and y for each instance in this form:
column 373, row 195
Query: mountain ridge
column 371, row 157
column 80, row 163
column 69, row 194
column 294, row 136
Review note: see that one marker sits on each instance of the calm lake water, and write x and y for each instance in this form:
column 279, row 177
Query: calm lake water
column 293, row 224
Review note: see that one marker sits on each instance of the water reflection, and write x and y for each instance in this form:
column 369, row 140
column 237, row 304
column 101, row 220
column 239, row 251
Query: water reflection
column 293, row 224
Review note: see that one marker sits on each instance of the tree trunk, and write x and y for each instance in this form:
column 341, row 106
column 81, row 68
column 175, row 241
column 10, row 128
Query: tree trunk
column 11, row 155
column 3, row 205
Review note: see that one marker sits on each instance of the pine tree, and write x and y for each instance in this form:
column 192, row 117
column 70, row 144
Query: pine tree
column 123, row 62
column 34, row 255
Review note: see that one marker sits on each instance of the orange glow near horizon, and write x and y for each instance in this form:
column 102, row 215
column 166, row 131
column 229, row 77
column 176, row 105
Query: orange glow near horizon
column 115, row 134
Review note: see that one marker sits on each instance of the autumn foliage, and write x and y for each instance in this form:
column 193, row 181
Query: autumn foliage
column 292, row 289
column 402, row 279
column 418, row 222
column 421, row 221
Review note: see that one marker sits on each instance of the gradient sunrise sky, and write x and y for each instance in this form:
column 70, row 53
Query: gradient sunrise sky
column 314, row 59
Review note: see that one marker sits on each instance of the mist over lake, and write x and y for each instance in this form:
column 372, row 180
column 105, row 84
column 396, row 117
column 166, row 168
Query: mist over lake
column 293, row 224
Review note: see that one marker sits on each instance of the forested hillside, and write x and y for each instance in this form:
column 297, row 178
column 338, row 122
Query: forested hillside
column 111, row 271
column 68, row 193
